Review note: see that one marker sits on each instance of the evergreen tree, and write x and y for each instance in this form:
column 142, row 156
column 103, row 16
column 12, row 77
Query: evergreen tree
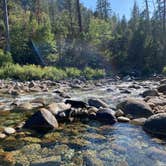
column 103, row 9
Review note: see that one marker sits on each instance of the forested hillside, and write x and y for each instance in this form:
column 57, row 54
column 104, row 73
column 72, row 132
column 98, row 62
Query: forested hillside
column 67, row 34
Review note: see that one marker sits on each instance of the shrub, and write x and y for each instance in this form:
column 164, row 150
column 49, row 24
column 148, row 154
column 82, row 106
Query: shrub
column 33, row 72
column 5, row 58
column 73, row 72
column 54, row 73
column 93, row 73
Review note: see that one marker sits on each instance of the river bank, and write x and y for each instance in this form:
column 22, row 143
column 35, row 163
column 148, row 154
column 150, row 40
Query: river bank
column 106, row 132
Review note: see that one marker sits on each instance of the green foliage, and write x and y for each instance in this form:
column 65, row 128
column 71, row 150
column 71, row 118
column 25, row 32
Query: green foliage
column 5, row 58
column 93, row 73
column 137, row 44
column 33, row 72
column 164, row 70
column 72, row 72
column 99, row 31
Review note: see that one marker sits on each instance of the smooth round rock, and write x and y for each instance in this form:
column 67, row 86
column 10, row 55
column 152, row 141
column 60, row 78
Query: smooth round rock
column 139, row 121
column 156, row 124
column 119, row 113
column 106, row 116
column 2, row 136
column 162, row 88
column 9, row 130
column 151, row 92
column 123, row 119
column 135, row 108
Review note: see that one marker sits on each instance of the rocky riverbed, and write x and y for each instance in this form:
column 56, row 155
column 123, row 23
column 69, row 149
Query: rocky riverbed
column 82, row 123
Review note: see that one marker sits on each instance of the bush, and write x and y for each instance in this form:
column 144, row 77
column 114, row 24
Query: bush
column 5, row 58
column 33, row 72
column 54, row 73
column 73, row 72
column 93, row 73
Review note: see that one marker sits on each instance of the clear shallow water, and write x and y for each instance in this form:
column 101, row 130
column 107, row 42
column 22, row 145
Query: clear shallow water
column 87, row 142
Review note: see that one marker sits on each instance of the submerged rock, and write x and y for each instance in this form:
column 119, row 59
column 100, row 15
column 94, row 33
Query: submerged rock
column 39, row 101
column 156, row 153
column 25, row 106
column 156, row 124
column 7, row 159
column 90, row 158
column 42, row 121
column 135, row 108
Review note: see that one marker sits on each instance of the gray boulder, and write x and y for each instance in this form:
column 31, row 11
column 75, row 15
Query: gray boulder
column 97, row 103
column 41, row 121
column 106, row 116
column 151, row 92
column 162, row 88
column 135, row 108
column 56, row 108
column 156, row 124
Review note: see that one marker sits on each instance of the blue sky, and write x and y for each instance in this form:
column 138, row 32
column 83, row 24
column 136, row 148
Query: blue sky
column 121, row 7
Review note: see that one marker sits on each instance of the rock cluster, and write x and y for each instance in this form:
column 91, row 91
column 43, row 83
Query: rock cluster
column 148, row 111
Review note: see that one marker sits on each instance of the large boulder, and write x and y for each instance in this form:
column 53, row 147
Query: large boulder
column 41, row 121
column 56, row 108
column 163, row 81
column 162, row 88
column 106, row 116
column 135, row 108
column 156, row 124
column 151, row 92
column 97, row 103
column 76, row 103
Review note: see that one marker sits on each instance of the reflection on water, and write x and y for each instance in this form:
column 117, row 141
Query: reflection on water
column 85, row 143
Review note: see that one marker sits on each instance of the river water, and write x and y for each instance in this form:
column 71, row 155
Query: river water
column 85, row 143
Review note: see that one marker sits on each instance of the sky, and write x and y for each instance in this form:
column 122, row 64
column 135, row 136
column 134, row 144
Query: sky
column 120, row 7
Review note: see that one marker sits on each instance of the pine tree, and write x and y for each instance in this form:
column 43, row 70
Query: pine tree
column 103, row 9
column 79, row 15
column 162, row 12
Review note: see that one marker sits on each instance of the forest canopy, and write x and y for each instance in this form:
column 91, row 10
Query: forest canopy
column 66, row 34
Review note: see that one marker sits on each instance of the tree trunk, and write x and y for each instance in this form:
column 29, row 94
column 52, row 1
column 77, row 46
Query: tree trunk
column 69, row 6
column 147, row 16
column 6, row 20
column 164, row 17
column 147, row 10
column 38, row 12
column 79, row 16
